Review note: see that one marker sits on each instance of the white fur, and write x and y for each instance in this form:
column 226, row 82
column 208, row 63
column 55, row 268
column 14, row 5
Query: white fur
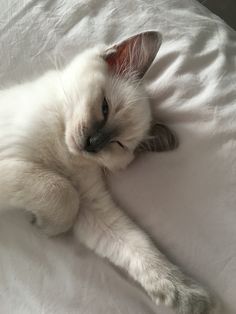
column 45, row 170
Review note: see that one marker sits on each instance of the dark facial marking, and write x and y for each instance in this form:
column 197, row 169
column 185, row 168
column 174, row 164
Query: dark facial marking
column 98, row 140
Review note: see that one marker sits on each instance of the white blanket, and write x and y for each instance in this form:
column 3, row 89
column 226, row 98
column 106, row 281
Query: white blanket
column 185, row 199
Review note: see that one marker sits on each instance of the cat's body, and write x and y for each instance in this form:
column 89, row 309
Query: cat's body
column 54, row 142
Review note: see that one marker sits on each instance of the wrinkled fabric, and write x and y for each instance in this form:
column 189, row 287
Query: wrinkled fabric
column 185, row 199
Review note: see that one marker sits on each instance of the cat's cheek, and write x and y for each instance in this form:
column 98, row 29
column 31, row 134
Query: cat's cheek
column 70, row 143
column 119, row 161
column 73, row 142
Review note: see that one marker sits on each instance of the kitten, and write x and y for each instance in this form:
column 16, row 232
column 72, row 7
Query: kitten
column 58, row 133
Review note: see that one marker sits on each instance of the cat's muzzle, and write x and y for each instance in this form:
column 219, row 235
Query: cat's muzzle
column 97, row 141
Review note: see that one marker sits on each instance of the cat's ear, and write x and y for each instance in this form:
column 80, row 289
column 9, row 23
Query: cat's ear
column 133, row 56
column 159, row 139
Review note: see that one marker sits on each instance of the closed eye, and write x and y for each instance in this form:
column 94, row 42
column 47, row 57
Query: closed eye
column 120, row 144
column 105, row 109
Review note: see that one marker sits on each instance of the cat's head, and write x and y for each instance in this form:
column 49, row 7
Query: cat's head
column 108, row 114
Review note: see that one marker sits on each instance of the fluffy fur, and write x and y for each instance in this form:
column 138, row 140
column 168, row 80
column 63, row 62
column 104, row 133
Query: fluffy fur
column 47, row 128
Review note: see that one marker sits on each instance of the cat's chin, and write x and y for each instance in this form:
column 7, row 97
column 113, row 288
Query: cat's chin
column 116, row 163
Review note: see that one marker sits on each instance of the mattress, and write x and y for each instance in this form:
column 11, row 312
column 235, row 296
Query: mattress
column 184, row 199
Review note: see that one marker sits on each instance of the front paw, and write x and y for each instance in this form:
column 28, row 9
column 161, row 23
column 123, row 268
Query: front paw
column 183, row 295
column 193, row 299
column 57, row 211
column 50, row 228
column 163, row 291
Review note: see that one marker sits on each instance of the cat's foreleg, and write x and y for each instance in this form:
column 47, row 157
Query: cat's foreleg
column 49, row 196
column 104, row 228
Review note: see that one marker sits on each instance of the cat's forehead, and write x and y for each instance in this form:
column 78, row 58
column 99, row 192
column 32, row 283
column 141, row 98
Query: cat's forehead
column 91, row 62
column 122, row 93
column 96, row 81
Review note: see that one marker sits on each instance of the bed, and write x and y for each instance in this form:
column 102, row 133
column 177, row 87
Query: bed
column 185, row 199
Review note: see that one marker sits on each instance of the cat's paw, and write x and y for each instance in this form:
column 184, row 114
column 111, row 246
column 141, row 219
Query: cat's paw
column 193, row 299
column 48, row 227
column 185, row 296
column 163, row 292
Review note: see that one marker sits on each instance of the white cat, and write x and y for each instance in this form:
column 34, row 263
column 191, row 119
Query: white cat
column 56, row 136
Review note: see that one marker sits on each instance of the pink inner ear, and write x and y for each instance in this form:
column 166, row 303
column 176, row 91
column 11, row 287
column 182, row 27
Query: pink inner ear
column 125, row 59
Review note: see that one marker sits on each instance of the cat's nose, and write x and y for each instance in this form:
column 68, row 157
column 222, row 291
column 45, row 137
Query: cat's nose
column 97, row 141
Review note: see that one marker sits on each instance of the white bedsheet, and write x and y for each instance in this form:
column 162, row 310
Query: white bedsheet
column 185, row 199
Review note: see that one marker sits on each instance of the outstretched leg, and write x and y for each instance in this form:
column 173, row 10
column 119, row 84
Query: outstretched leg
column 104, row 228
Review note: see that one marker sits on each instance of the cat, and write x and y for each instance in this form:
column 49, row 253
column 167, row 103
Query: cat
column 59, row 132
